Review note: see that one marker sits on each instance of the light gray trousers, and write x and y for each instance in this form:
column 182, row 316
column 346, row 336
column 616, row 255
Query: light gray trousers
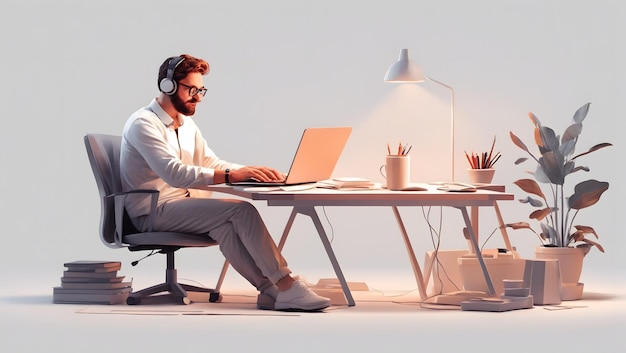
column 235, row 225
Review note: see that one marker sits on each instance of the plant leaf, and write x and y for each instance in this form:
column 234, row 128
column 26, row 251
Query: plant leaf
column 532, row 201
column 540, row 214
column 580, row 167
column 547, row 232
column 534, row 119
column 581, row 113
column 567, row 147
column 518, row 225
column 530, row 186
column 516, row 140
column 537, row 132
column 572, row 133
column 520, row 160
column 552, row 164
column 594, row 148
column 568, row 168
column 577, row 236
column 593, row 243
column 549, row 139
column 587, row 193
column 538, row 139
column 586, row 230
column 540, row 175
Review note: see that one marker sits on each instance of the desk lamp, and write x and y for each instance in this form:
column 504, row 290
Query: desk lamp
column 406, row 71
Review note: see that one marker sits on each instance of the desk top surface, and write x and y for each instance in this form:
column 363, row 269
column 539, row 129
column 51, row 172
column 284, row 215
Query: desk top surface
column 368, row 197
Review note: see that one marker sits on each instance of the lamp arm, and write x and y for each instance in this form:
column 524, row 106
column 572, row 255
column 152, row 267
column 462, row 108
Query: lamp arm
column 451, row 120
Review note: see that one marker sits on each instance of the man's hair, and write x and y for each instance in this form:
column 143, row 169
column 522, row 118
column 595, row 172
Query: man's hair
column 190, row 64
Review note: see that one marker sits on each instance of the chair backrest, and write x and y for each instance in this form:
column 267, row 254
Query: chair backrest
column 104, row 155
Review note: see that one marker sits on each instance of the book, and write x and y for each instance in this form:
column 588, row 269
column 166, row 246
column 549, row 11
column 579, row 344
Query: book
column 95, row 285
column 84, row 274
column 347, row 183
column 65, row 279
column 504, row 303
column 108, row 291
column 93, row 266
column 492, row 187
column 91, row 298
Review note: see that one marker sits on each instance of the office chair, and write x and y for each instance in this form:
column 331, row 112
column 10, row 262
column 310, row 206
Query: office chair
column 117, row 230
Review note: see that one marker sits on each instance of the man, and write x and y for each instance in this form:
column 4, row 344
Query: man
column 163, row 149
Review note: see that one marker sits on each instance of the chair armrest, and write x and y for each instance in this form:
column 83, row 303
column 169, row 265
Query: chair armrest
column 119, row 205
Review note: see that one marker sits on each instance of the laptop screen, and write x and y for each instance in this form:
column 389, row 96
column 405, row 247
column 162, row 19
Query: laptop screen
column 315, row 158
column 317, row 154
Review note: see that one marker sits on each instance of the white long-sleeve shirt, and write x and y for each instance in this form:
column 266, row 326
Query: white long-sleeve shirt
column 154, row 157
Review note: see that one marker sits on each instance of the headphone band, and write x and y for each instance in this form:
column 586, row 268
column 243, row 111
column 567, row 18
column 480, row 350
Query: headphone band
column 174, row 62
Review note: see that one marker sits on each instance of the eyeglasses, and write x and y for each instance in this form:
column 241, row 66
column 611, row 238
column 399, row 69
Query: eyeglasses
column 193, row 90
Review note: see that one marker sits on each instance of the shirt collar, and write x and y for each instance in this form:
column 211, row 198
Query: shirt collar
column 167, row 120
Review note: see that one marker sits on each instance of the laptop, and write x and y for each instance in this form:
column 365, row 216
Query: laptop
column 315, row 159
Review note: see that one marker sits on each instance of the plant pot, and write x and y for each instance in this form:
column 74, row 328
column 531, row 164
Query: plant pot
column 570, row 265
column 481, row 176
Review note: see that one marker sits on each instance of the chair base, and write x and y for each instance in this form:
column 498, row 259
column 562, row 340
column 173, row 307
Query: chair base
column 171, row 288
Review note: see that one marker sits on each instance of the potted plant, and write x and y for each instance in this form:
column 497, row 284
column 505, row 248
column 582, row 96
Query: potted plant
column 555, row 211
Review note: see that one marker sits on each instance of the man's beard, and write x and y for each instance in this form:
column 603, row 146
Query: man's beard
column 183, row 107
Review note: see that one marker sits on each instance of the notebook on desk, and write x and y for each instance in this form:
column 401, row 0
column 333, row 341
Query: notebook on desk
column 315, row 158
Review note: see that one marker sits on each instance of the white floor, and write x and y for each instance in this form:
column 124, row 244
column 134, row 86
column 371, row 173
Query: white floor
column 383, row 320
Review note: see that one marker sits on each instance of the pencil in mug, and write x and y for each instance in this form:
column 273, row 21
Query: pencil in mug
column 469, row 160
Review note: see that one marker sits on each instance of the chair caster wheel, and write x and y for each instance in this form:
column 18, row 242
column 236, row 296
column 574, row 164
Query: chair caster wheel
column 215, row 297
column 133, row 300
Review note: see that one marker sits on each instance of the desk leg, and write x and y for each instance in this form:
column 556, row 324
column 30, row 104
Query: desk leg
column 479, row 255
column 505, row 235
column 283, row 238
column 409, row 248
column 310, row 211
column 474, row 218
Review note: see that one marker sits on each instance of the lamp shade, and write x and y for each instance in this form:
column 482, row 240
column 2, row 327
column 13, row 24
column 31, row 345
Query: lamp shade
column 404, row 70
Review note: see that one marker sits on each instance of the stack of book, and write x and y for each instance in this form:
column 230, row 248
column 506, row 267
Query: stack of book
column 94, row 282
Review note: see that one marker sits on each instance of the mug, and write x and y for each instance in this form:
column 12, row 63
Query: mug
column 397, row 171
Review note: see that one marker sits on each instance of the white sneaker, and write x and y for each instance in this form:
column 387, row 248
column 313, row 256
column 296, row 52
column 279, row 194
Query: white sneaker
column 300, row 297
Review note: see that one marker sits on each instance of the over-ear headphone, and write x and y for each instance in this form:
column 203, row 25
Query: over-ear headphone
column 168, row 85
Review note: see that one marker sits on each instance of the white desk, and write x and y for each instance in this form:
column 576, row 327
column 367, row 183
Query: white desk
column 304, row 202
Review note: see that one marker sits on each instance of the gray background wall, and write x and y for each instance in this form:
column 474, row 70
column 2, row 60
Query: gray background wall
column 73, row 67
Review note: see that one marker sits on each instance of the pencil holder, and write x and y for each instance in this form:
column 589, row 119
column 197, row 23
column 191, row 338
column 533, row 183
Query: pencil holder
column 397, row 171
column 481, row 176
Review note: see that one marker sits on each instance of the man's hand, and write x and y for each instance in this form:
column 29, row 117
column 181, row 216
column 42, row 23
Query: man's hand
column 257, row 173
